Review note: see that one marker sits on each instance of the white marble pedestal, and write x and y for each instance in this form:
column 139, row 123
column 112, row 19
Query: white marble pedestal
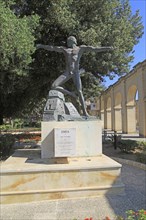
column 34, row 174
column 87, row 140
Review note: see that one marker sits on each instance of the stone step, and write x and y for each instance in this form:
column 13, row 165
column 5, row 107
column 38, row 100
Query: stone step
column 26, row 177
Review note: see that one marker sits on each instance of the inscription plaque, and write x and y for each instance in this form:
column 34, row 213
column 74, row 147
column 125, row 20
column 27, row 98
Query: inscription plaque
column 65, row 142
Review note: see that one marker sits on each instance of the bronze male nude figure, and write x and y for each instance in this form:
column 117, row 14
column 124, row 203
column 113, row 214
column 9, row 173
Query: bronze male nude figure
column 73, row 55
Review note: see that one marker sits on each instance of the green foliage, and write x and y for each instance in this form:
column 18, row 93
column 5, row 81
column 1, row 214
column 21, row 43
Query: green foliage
column 17, row 40
column 137, row 149
column 19, row 124
column 141, row 157
column 17, row 46
column 110, row 23
column 5, row 127
column 127, row 146
column 130, row 215
column 6, row 144
column 91, row 85
column 132, row 146
column 92, row 22
column 142, row 145
column 32, row 124
column 139, row 215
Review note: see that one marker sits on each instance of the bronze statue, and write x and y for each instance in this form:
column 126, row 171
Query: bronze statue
column 72, row 54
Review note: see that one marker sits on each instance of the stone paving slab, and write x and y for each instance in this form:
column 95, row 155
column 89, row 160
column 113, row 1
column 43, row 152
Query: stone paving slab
column 97, row 207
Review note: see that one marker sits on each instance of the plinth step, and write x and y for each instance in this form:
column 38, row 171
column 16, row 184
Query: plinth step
column 25, row 178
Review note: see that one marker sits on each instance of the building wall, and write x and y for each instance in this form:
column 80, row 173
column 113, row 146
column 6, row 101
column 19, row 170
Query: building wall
column 119, row 107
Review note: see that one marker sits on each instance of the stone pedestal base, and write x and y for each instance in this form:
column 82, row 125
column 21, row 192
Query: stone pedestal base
column 26, row 177
column 88, row 138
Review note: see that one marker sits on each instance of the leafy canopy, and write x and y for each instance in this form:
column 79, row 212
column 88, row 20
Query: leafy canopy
column 17, row 40
column 92, row 22
column 16, row 49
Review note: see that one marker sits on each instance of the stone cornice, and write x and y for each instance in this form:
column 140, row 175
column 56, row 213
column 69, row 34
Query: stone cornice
column 123, row 78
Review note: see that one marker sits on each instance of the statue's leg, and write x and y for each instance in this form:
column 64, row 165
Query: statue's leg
column 60, row 81
column 78, row 84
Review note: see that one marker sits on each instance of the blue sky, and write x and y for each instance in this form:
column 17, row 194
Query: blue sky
column 140, row 48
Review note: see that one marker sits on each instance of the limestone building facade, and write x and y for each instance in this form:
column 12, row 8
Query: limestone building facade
column 122, row 107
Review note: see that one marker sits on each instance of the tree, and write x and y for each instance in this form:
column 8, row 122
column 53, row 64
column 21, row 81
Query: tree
column 92, row 22
column 17, row 46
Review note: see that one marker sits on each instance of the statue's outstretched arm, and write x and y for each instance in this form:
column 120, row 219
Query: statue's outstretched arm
column 49, row 48
column 96, row 49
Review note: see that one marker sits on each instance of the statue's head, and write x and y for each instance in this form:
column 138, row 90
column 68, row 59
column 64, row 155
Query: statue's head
column 71, row 41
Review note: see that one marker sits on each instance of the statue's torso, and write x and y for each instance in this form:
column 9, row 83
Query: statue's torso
column 72, row 56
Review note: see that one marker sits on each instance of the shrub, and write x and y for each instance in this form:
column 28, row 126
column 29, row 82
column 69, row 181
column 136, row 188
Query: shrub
column 5, row 127
column 127, row 146
column 139, row 215
column 142, row 145
column 18, row 123
column 6, row 144
column 141, row 157
column 130, row 215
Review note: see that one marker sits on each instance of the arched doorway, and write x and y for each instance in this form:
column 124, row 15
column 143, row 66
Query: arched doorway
column 132, row 109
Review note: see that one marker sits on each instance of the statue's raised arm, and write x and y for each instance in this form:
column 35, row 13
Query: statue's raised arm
column 85, row 48
column 50, row 48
